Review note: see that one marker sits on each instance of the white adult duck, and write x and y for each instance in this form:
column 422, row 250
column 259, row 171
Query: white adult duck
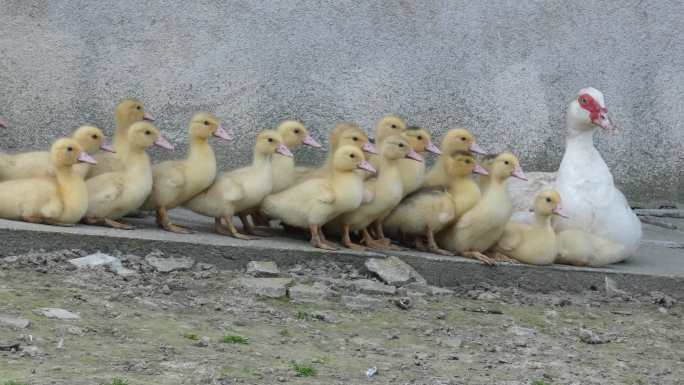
column 592, row 202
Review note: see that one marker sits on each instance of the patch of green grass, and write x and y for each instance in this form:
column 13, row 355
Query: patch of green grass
column 234, row 339
column 13, row 383
column 284, row 333
column 301, row 315
column 118, row 381
column 540, row 382
column 191, row 336
column 303, row 371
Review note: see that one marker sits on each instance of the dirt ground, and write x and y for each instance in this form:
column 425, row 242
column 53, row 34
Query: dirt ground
column 203, row 327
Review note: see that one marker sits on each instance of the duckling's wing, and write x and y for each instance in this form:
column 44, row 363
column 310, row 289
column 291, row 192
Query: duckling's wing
column 107, row 192
column 326, row 194
column 318, row 190
column 169, row 174
column 511, row 238
column 231, row 190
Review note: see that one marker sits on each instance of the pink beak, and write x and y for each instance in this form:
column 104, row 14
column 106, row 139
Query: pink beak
column 474, row 147
column 223, row 133
column 369, row 148
column 364, row 165
column 518, row 173
column 559, row 211
column 107, row 147
column 85, row 158
column 414, row 155
column 480, row 170
column 3, row 124
column 605, row 120
column 433, row 149
column 284, row 151
column 148, row 117
column 163, row 143
column 310, row 141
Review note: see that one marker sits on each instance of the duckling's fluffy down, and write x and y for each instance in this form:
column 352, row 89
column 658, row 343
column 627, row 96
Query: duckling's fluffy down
column 310, row 202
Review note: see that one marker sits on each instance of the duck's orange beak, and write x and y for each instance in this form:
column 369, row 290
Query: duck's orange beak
column 433, row 149
column 369, row 148
column 107, row 147
column 560, row 212
column 518, row 173
column 284, row 151
column 310, row 141
column 85, row 158
column 366, row 166
column 3, row 124
column 147, row 116
column 223, row 133
column 474, row 147
column 163, row 143
column 414, row 155
column 480, row 170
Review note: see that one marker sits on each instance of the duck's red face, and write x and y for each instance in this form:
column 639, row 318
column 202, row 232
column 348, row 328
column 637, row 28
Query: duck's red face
column 597, row 113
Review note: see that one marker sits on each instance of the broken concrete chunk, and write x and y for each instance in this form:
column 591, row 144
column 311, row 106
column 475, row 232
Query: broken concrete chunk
column 14, row 322
column 310, row 294
column 267, row 287
column 101, row 259
column 261, row 269
column 167, row 265
column 394, row 271
column 361, row 302
column 428, row 289
column 368, row 286
column 56, row 313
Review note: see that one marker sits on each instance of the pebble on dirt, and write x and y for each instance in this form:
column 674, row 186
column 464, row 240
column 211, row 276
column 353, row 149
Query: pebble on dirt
column 167, row 265
column 263, row 269
column 394, row 271
column 51, row 312
column 267, row 287
column 14, row 322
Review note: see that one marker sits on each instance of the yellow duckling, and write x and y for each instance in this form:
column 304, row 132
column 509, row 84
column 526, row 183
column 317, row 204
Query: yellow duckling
column 387, row 192
column 115, row 194
column 457, row 139
column 413, row 173
column 126, row 113
column 294, row 134
column 535, row 243
column 177, row 181
column 387, row 126
column 428, row 211
column 482, row 226
column 238, row 191
column 313, row 203
column 580, row 248
column 344, row 134
column 37, row 164
column 61, row 199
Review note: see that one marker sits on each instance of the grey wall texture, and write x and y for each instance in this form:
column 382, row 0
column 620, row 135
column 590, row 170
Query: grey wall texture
column 504, row 69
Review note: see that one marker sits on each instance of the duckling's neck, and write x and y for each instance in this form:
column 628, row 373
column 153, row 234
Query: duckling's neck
column 120, row 133
column 73, row 193
column 260, row 159
column 458, row 182
column 542, row 221
column 200, row 150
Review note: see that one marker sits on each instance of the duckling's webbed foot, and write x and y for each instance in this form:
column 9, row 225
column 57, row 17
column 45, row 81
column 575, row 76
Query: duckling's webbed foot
column 229, row 229
column 165, row 223
column 316, row 238
column 249, row 227
column 260, row 219
column 325, row 240
column 432, row 245
column 479, row 256
column 372, row 243
column 118, row 225
column 347, row 242
column 501, row 257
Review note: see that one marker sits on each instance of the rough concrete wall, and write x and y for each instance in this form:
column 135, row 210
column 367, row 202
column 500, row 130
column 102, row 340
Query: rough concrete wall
column 505, row 69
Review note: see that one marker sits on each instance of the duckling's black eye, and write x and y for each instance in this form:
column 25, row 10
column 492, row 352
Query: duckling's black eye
column 394, row 126
column 355, row 139
column 352, row 156
column 206, row 122
column 296, row 131
column 548, row 200
column 463, row 138
column 70, row 149
column 139, row 108
column 94, row 137
column 420, row 137
column 147, row 132
column 270, row 140
column 467, row 161
column 401, row 145
column 505, row 161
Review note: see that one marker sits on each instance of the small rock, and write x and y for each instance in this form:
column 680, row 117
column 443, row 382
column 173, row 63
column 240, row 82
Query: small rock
column 261, row 269
column 663, row 299
column 662, row 310
column 70, row 329
column 101, row 259
column 394, row 271
column 360, row 302
column 404, row 303
column 56, row 313
column 281, row 379
column 14, row 322
column 167, row 265
column 203, row 342
column 453, row 342
column 309, row 294
column 612, row 288
column 368, row 286
column 589, row 337
column 31, row 351
column 166, row 290
column 441, row 315
column 323, row 316
column 267, row 287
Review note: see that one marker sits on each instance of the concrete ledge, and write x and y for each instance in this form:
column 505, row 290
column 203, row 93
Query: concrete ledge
column 659, row 265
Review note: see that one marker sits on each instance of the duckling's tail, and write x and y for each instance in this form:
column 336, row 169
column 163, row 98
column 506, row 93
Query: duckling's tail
column 580, row 248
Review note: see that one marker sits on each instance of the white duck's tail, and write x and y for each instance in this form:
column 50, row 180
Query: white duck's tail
column 580, row 248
